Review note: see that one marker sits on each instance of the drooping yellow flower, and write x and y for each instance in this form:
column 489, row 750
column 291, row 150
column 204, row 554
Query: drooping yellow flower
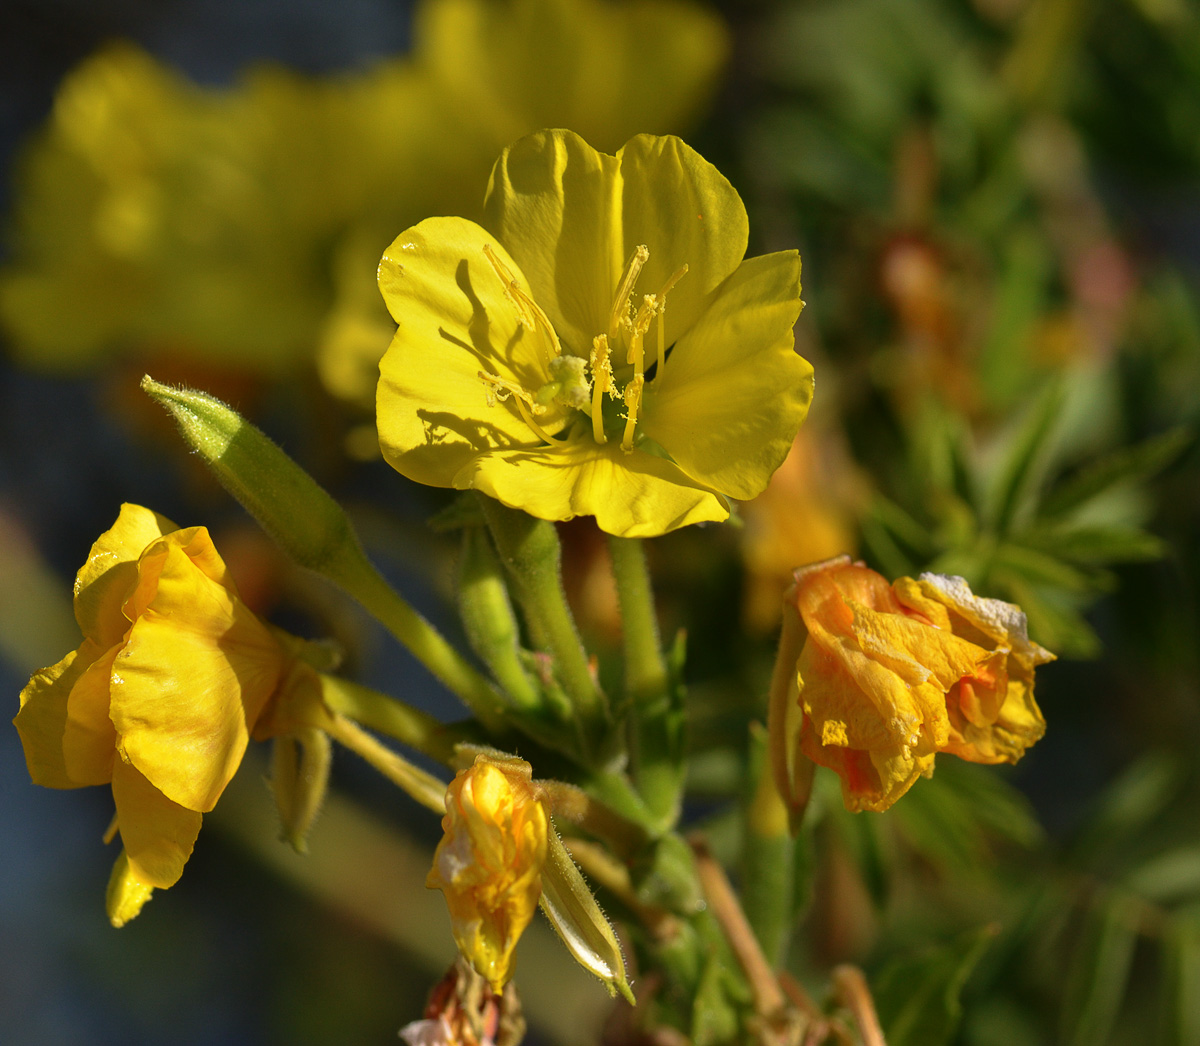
column 161, row 697
column 490, row 859
column 891, row 675
column 600, row 346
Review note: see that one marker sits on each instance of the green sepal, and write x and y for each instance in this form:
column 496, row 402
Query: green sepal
column 573, row 912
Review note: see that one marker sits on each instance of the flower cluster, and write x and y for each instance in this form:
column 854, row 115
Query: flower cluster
column 891, row 675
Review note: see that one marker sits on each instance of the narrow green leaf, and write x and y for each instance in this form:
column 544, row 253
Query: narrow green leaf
column 1127, row 465
column 1096, row 545
column 1168, row 877
column 1180, row 1018
column 1100, row 967
column 1021, row 463
column 918, row 996
column 1129, row 803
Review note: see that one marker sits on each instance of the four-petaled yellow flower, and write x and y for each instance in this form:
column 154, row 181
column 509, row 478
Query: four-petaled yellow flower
column 890, row 675
column 161, row 697
column 600, row 346
column 490, row 859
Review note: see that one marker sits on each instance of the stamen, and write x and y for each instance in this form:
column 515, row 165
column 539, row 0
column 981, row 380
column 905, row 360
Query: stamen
column 111, row 831
column 499, row 388
column 620, row 306
column 528, row 310
column 541, row 432
column 674, row 278
column 633, row 400
column 601, row 383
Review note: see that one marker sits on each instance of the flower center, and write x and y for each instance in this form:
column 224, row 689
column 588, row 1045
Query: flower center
column 628, row 324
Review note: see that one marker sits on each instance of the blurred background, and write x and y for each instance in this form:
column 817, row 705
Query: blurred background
column 998, row 207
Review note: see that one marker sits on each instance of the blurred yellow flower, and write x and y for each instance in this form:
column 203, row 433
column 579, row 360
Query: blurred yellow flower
column 490, row 859
column 242, row 226
column 160, row 699
column 890, row 675
column 806, row 514
column 601, row 348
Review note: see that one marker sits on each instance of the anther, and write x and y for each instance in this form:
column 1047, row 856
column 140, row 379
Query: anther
column 528, row 310
column 620, row 306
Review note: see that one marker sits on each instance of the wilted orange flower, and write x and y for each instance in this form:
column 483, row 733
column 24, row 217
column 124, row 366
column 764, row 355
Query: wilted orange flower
column 890, row 675
column 159, row 700
column 489, row 862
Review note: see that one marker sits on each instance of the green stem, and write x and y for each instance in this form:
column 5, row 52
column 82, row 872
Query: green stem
column 353, row 571
column 767, row 855
column 645, row 668
column 422, row 786
column 388, row 715
column 530, row 550
column 657, row 723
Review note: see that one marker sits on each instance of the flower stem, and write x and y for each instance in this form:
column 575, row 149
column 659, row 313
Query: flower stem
column 723, row 903
column 408, row 725
column 767, row 855
column 530, row 550
column 354, row 572
column 423, row 787
column 657, row 715
column 792, row 769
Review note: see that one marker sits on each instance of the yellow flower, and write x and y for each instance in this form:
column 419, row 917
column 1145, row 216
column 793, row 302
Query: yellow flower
column 601, row 347
column 890, row 675
column 161, row 697
column 156, row 216
column 489, row 862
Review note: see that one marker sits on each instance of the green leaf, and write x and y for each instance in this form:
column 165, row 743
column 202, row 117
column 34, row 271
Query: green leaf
column 1023, row 459
column 1129, row 803
column 917, row 996
column 1100, row 967
column 1180, row 1019
column 1127, row 465
column 1169, row 876
column 1096, row 545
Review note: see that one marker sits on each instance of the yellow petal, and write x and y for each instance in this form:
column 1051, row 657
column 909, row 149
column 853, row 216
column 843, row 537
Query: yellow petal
column 110, row 572
column 1003, row 623
column 126, row 893
column 734, row 392
column 454, row 321
column 43, row 718
column 158, row 834
column 89, row 739
column 571, row 217
column 631, row 495
column 194, row 675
